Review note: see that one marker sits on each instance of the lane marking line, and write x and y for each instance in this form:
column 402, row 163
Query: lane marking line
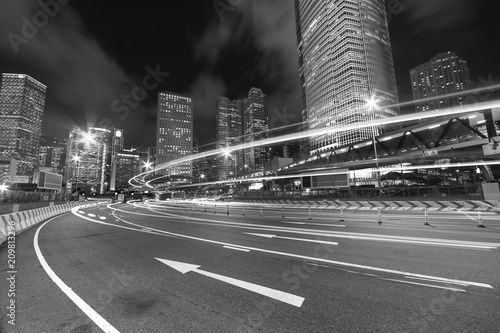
column 285, row 254
column 235, row 248
column 91, row 313
column 425, row 285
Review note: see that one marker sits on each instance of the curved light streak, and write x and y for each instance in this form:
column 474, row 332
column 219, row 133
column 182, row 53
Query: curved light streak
column 320, row 131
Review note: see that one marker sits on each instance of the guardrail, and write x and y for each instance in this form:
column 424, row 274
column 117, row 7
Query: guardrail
column 15, row 223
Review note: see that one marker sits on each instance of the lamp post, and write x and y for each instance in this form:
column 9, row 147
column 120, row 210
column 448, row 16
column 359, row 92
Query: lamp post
column 77, row 160
column 202, row 176
column 372, row 104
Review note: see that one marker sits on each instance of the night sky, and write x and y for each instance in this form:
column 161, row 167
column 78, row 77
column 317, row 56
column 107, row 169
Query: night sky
column 91, row 53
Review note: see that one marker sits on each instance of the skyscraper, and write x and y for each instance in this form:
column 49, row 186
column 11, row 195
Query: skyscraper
column 87, row 160
column 128, row 165
column 345, row 60
column 174, row 132
column 22, row 103
column 255, row 127
column 116, row 147
column 446, row 73
column 229, row 133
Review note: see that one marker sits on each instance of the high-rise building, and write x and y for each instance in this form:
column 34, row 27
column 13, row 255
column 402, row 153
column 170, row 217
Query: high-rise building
column 174, row 132
column 255, row 127
column 22, row 103
column 116, row 146
column 88, row 160
column 345, row 60
column 128, row 165
column 446, row 73
column 52, row 154
column 229, row 133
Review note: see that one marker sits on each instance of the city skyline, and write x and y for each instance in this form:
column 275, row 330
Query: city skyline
column 210, row 53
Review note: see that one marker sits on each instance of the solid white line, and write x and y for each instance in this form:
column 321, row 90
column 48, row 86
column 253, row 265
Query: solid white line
column 292, row 238
column 236, row 248
column 425, row 285
column 340, row 234
column 91, row 313
column 436, row 280
column 340, row 263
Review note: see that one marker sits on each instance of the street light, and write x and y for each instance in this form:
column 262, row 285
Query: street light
column 372, row 104
column 3, row 187
column 77, row 160
column 202, row 176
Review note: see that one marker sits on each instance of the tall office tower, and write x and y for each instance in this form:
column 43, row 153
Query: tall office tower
column 22, row 103
column 255, row 127
column 345, row 60
column 174, row 138
column 444, row 74
column 87, row 160
column 229, row 133
column 52, row 154
column 128, row 165
column 116, row 146
column 196, row 163
column 288, row 150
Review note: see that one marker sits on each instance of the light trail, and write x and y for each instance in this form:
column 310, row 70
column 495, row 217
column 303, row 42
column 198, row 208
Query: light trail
column 317, row 132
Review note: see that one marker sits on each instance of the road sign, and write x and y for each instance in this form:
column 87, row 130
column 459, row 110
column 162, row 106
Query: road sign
column 16, row 179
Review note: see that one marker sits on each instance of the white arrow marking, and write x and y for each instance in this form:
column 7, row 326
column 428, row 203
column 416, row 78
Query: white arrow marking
column 271, row 293
column 296, row 239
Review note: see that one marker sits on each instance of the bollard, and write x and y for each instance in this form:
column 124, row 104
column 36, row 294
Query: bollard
column 227, row 209
column 261, row 211
column 282, row 212
column 426, row 217
column 480, row 220
column 379, row 217
column 341, row 214
column 215, row 209
column 205, row 208
column 242, row 209
column 309, row 213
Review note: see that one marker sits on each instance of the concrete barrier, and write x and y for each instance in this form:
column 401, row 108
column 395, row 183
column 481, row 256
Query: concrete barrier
column 26, row 219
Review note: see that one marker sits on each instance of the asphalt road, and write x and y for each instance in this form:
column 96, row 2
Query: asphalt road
column 192, row 267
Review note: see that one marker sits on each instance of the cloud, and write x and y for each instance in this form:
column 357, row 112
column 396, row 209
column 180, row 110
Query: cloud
column 257, row 37
column 204, row 92
column 82, row 79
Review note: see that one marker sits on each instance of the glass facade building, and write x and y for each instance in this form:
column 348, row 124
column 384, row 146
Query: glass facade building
column 446, row 73
column 255, row 127
column 174, row 132
column 22, row 103
column 229, row 130
column 88, row 160
column 345, row 60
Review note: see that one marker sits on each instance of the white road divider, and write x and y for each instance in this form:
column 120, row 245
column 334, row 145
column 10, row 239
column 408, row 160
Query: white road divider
column 26, row 219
